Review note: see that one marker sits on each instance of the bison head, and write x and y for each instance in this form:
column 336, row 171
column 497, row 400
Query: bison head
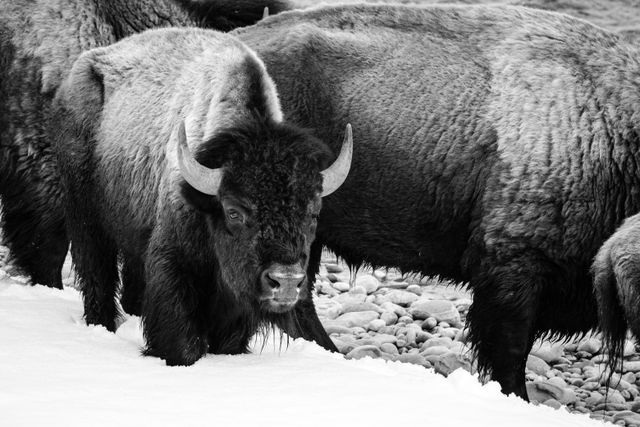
column 260, row 186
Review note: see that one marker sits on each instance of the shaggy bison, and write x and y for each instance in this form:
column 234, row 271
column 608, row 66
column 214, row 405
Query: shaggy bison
column 497, row 146
column 616, row 272
column 39, row 41
column 223, row 238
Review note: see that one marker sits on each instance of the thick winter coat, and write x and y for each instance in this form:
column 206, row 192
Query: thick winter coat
column 497, row 146
column 222, row 241
column 39, row 40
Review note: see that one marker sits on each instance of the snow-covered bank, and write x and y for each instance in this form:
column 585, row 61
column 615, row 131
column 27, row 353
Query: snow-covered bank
column 55, row 370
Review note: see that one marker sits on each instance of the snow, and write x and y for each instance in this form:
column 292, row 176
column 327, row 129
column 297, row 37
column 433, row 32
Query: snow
column 57, row 371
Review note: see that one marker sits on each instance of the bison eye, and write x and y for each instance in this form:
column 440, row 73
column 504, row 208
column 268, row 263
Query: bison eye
column 234, row 216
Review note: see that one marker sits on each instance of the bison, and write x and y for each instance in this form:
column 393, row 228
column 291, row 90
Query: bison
column 39, row 41
column 616, row 274
column 222, row 237
column 497, row 146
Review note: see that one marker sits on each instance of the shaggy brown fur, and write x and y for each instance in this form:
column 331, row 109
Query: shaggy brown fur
column 497, row 146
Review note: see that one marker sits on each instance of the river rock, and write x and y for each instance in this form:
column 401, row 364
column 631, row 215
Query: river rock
column 436, row 350
column 350, row 298
column 629, row 348
column 429, row 323
column 335, row 328
column 441, row 310
column 402, row 298
column 389, row 317
column 543, row 390
column 389, row 348
column 451, row 361
column 368, row 282
column 364, row 351
column 357, row 318
column 629, row 417
column 376, row 325
column 549, row 352
column 436, row 341
column 361, row 306
column 590, row 345
column 414, row 358
column 537, row 365
column 416, row 289
column 378, row 340
column 341, row 286
column 395, row 308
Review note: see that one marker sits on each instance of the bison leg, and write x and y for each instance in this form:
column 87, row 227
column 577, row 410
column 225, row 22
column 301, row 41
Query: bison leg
column 502, row 322
column 33, row 230
column 174, row 310
column 95, row 259
column 133, row 286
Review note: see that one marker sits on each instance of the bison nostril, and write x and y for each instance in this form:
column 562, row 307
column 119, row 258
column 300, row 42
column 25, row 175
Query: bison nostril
column 272, row 282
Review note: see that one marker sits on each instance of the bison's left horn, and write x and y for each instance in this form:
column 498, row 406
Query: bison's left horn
column 334, row 175
column 265, row 12
column 201, row 178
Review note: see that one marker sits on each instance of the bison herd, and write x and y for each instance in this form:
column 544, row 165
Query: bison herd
column 198, row 175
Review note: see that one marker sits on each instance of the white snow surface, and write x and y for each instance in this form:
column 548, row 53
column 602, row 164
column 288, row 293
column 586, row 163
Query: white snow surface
column 57, row 371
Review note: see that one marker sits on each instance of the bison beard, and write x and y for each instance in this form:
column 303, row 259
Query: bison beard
column 220, row 243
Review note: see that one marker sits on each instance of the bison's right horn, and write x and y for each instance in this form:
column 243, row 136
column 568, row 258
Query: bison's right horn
column 334, row 175
column 201, row 178
column 265, row 12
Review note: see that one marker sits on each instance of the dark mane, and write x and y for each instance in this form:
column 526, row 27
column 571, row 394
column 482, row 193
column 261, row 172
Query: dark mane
column 225, row 15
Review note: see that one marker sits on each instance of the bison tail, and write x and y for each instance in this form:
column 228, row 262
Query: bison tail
column 226, row 15
column 611, row 312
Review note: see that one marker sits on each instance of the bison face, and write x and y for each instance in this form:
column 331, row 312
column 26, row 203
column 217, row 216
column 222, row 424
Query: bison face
column 261, row 188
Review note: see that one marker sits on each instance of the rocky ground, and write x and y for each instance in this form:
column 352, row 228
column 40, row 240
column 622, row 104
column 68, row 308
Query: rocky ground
column 386, row 315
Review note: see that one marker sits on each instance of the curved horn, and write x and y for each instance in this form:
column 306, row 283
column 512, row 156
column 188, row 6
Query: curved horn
column 201, row 178
column 265, row 12
column 334, row 175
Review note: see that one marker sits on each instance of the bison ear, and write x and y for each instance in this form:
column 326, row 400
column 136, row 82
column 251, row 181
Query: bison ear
column 198, row 200
column 82, row 93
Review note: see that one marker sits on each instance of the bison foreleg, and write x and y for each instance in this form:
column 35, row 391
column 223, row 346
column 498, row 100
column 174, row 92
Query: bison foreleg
column 133, row 285
column 502, row 322
column 173, row 310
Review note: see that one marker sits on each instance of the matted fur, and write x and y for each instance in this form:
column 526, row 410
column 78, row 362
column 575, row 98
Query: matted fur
column 39, row 41
column 117, row 119
column 496, row 146
column 616, row 274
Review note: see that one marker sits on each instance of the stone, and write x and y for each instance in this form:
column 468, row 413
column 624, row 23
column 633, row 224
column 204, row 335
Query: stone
column 376, row 325
column 333, row 328
column 541, row 391
column 402, row 298
column 357, row 318
column 593, row 398
column 441, row 310
column 451, row 361
column 613, row 396
column 416, row 359
column 629, row 348
column 378, row 340
column 334, row 268
column 326, row 288
column 629, row 377
column 368, row 282
column 349, row 298
column 344, row 346
column 429, row 323
column 434, row 351
column 590, row 345
column 361, row 306
column 405, row 319
column 389, row 317
column 629, row 417
column 380, row 274
column 552, row 403
column 396, row 284
column 537, row 365
column 395, row 308
column 610, row 406
column 422, row 336
column 341, row 286
column 389, row 348
column 436, row 341
column 631, row 366
column 448, row 332
column 416, row 289
column 550, row 353
column 364, row 351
